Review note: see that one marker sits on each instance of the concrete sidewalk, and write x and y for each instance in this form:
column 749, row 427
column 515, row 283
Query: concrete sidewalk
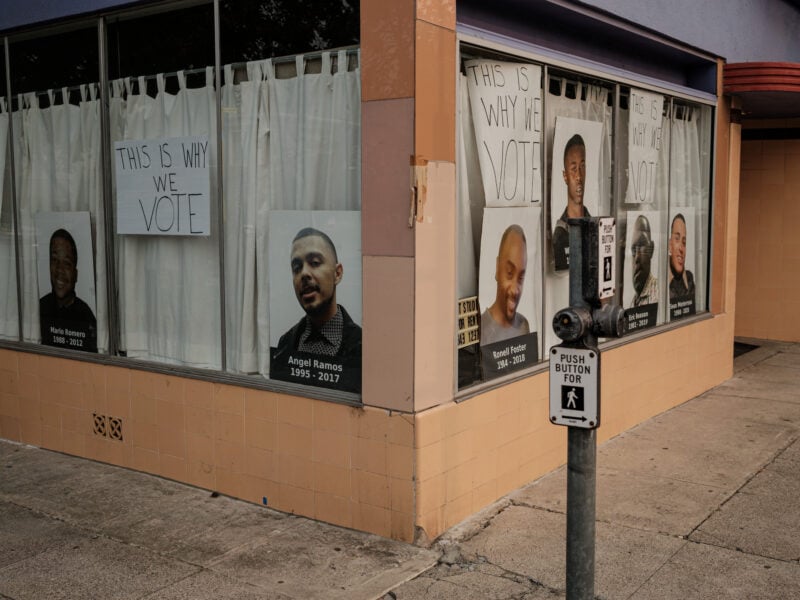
column 700, row 502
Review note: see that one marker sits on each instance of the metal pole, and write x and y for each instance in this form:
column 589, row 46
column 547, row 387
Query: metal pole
column 581, row 461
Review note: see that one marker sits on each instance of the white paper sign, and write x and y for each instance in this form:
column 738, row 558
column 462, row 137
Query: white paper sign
column 506, row 105
column 163, row 186
column 644, row 145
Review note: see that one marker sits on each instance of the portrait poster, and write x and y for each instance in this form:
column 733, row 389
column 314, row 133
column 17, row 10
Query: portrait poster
column 295, row 298
column 65, row 274
column 681, row 251
column 506, row 103
column 645, row 114
column 569, row 133
column 509, row 289
column 642, row 271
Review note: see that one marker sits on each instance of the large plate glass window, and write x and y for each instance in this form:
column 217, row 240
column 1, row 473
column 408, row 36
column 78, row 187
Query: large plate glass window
column 57, row 153
column 500, row 199
column 164, row 156
column 291, row 114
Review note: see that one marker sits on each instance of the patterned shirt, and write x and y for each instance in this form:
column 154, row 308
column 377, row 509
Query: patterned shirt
column 326, row 340
column 649, row 293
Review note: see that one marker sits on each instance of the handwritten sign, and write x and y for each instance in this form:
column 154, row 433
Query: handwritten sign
column 644, row 145
column 507, row 113
column 163, row 186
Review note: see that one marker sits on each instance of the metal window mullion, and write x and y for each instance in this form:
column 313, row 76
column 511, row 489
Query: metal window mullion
column 220, row 202
column 546, row 208
column 112, row 312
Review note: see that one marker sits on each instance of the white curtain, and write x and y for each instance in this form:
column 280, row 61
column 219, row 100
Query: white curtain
column 169, row 286
column 9, row 318
column 58, row 168
column 689, row 183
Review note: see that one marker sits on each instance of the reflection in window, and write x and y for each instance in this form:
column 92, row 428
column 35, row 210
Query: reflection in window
column 258, row 29
column 59, row 189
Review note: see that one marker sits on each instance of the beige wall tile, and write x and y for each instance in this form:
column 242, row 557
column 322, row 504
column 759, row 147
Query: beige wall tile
column 229, row 456
column 437, row 12
column 401, row 495
column 369, row 455
column 259, row 404
column 171, row 441
column 295, row 471
column 201, row 474
column 198, row 393
column 333, row 480
column 328, row 416
column 10, row 360
column 333, row 509
column 435, row 289
column 229, row 399
column 199, row 421
column 371, row 423
column 229, row 427
column 295, row 441
column 401, row 461
column 30, row 431
column 172, row 467
column 402, row 526
column 401, row 430
column 295, row 410
column 388, row 332
column 231, row 483
column 260, row 463
column 169, row 388
column 331, row 448
column 387, row 49
column 369, row 488
column 145, row 460
column 373, row 519
column 435, row 107
column 143, row 435
column 199, row 448
column 387, row 141
column 295, row 500
column 458, row 509
column 261, row 434
column 430, row 425
column 10, row 428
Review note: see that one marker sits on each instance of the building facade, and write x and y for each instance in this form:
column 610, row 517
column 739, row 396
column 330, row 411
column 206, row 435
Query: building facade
column 310, row 258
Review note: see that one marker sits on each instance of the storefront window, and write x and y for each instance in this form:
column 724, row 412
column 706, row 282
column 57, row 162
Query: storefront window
column 540, row 144
column 292, row 179
column 164, row 155
column 58, row 180
column 500, row 218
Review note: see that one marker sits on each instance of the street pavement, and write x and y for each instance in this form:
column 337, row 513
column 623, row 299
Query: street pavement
column 702, row 501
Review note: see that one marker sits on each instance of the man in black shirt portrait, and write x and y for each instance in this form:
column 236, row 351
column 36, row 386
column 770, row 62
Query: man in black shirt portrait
column 66, row 320
column 324, row 347
column 575, row 178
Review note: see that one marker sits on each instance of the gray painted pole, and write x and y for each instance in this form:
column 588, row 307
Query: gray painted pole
column 581, row 460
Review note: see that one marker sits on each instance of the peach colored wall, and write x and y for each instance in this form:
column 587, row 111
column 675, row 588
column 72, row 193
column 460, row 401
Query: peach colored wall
column 344, row 465
column 472, row 453
column 769, row 247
